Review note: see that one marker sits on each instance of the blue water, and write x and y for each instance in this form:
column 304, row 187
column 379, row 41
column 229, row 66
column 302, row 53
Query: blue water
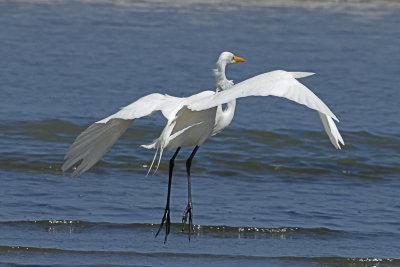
column 269, row 190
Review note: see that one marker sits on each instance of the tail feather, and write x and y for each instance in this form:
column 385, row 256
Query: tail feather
column 159, row 160
column 152, row 162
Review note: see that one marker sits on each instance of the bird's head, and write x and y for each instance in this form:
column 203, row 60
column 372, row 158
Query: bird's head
column 227, row 58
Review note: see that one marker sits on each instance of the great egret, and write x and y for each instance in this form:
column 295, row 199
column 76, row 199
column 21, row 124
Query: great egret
column 191, row 120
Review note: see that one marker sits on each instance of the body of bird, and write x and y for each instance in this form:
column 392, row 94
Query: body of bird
column 191, row 120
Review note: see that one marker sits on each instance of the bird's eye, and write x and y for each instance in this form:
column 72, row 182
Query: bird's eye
column 233, row 58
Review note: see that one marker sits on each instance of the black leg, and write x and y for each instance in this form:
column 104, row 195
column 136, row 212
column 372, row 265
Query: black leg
column 189, row 208
column 166, row 218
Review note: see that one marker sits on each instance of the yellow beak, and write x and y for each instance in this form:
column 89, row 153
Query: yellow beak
column 239, row 59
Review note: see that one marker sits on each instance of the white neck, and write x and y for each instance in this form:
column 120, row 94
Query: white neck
column 223, row 117
column 221, row 82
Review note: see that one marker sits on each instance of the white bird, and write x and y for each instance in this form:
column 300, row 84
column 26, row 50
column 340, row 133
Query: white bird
column 192, row 120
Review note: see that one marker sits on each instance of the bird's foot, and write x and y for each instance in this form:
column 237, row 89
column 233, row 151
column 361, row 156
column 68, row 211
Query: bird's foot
column 188, row 213
column 167, row 221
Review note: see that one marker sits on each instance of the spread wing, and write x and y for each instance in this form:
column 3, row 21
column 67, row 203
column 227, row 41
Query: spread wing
column 98, row 138
column 281, row 84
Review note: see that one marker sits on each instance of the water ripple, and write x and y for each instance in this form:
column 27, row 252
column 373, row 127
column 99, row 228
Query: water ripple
column 40, row 146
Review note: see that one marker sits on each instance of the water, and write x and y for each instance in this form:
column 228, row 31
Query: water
column 269, row 190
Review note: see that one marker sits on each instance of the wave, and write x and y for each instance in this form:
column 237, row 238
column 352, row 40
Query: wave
column 86, row 230
column 40, row 146
column 199, row 229
column 55, row 130
column 337, row 261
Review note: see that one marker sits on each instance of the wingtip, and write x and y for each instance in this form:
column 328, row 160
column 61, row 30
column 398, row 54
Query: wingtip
column 298, row 75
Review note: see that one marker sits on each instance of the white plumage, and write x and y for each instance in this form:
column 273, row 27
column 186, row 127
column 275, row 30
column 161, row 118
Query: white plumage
column 193, row 119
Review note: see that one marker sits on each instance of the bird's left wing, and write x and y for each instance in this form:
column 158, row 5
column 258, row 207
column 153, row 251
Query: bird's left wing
column 275, row 83
column 98, row 138
column 281, row 84
column 331, row 130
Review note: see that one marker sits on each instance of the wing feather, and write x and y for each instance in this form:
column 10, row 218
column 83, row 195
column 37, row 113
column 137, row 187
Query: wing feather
column 276, row 83
column 281, row 84
column 90, row 146
column 146, row 106
column 331, row 130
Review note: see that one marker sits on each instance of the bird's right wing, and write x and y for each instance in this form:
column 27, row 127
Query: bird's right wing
column 146, row 106
column 98, row 138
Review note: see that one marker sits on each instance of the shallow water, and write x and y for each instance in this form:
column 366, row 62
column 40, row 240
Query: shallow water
column 269, row 190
